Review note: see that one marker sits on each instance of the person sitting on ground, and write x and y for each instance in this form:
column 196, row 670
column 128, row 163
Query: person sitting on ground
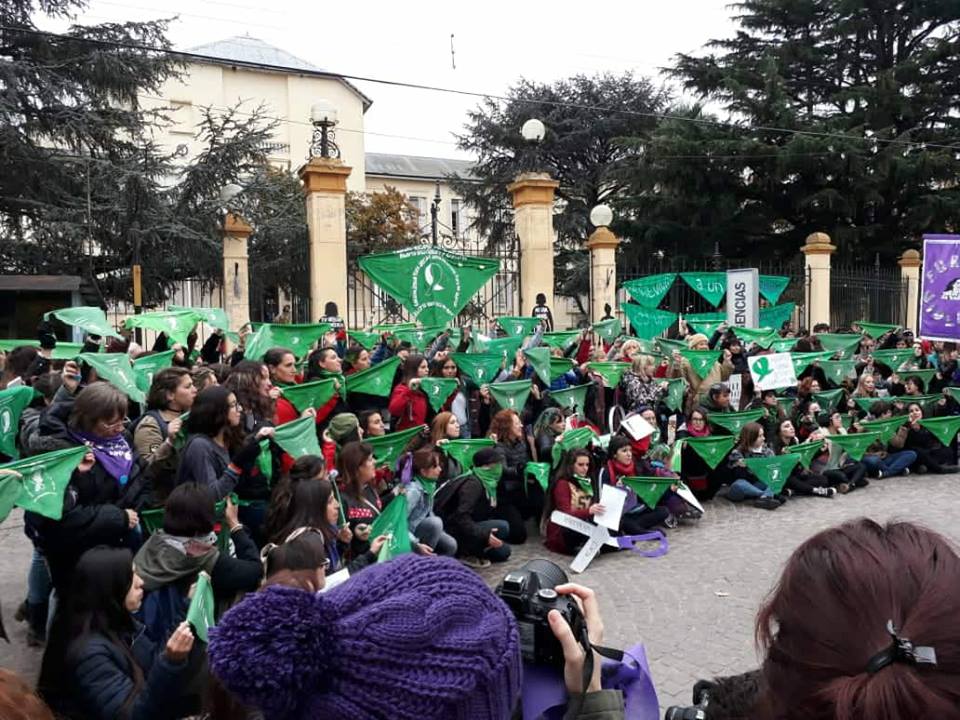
column 746, row 485
column 932, row 455
column 423, row 522
column 548, row 427
column 466, row 504
column 888, row 459
column 637, row 517
column 446, row 427
column 99, row 663
column 801, row 481
column 572, row 492
column 518, row 498
column 843, row 472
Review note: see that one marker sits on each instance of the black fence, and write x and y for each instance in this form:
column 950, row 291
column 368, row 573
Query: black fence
column 681, row 298
column 878, row 294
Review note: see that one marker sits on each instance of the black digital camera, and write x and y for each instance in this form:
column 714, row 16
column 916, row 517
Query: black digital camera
column 529, row 592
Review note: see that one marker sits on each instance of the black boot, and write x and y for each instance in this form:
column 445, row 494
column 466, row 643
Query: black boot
column 37, row 624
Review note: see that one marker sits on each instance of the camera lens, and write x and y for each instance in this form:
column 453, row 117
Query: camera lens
column 550, row 573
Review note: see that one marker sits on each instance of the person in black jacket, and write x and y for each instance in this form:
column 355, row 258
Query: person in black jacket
column 106, row 490
column 171, row 559
column 99, row 663
column 466, row 507
column 514, row 503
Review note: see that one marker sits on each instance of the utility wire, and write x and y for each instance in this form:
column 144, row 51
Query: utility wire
column 195, row 57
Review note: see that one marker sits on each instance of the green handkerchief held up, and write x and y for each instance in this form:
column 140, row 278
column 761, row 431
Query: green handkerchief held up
column 376, row 380
column 298, row 437
column 943, row 428
column 201, row 613
column 806, row 451
column 511, row 395
column 734, row 422
column 649, row 489
column 392, row 522
column 463, row 450
column 856, row 445
column 388, row 448
column 574, row 397
column 773, row 471
column 712, row 449
column 572, row 440
column 438, row 390
column 42, row 483
column 701, row 361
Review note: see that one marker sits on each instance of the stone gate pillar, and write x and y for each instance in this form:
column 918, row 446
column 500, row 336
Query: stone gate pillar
column 818, row 250
column 533, row 195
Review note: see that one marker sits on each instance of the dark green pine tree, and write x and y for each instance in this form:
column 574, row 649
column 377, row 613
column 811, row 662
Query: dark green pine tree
column 874, row 88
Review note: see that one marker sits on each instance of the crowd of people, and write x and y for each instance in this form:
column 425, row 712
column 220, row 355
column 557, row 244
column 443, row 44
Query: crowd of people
column 196, row 480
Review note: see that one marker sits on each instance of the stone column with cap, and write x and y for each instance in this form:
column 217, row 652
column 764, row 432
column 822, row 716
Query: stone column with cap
column 818, row 250
column 236, row 274
column 602, row 245
column 325, row 186
column 909, row 264
column 533, row 196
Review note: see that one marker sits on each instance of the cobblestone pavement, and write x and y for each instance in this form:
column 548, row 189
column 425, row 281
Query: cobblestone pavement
column 693, row 609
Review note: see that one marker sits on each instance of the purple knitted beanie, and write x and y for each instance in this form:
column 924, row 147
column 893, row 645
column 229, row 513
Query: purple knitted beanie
column 416, row 638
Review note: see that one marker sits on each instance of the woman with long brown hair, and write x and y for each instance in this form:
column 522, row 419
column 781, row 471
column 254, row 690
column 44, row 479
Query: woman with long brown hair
column 408, row 403
column 515, row 504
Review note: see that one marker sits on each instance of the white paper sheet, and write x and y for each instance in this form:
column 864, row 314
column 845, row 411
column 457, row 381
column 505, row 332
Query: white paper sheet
column 612, row 499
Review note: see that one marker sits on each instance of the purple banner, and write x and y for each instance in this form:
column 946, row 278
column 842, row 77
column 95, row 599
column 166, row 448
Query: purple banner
column 940, row 288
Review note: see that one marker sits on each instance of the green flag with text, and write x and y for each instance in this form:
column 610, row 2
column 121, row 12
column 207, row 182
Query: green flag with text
column 711, row 286
column 313, row 394
column 647, row 323
column 772, row 287
column 91, row 320
column 481, row 368
column 298, row 339
column 115, row 368
column 176, row 325
column 375, row 380
column 650, row 290
column 44, row 479
column 146, row 366
column 433, row 284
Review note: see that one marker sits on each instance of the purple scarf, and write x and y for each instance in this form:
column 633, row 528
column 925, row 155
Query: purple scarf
column 113, row 454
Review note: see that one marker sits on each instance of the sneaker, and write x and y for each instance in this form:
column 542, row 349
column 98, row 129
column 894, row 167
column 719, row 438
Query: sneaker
column 781, row 498
column 21, row 614
column 843, row 488
column 906, row 471
column 947, row 469
column 825, row 492
column 879, row 474
column 787, row 493
column 475, row 562
column 722, row 491
column 671, row 521
column 691, row 513
column 922, row 470
column 766, row 503
column 863, row 483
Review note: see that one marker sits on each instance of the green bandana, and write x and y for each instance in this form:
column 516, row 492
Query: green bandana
column 711, row 286
column 146, row 367
column 772, row 287
column 944, row 428
column 773, row 471
column 420, row 338
column 649, row 489
column 843, row 343
column 572, row 440
column 887, row 427
column 734, row 422
column 801, row 361
column 392, row 522
column 876, row 330
column 829, row 399
column 504, row 347
column 511, row 395
column 429, row 487
column 611, row 372
column 489, row 477
column 463, row 450
column 712, row 449
column 647, row 323
column 115, row 368
column 368, row 340
column 376, row 380
column 438, row 390
column 782, row 345
column 573, row 397
column 608, row 330
column 777, row 315
column 13, row 401
column 562, row 339
column 701, row 361
column 176, row 325
column 925, row 376
column 676, row 388
column 856, row 445
column 42, row 482
column 91, row 320
column 481, row 368
column 298, row 437
column 314, row 394
column 518, row 326
column 585, row 483
column 539, row 471
column 837, row 371
column 706, row 323
column 388, row 448
column 213, row 316
column 201, row 614
column 298, row 339
column 806, row 451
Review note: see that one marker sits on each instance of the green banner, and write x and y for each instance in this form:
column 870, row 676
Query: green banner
column 368, row 340
column 518, row 326
column 438, row 390
column 573, row 397
column 392, row 522
column 843, row 343
column 540, row 471
column 388, row 448
column 712, row 449
column 562, row 340
column 314, row 394
column 434, row 285
column 511, row 395
column 856, row 445
column 463, row 450
column 298, row 339
column 42, row 482
column 116, row 369
column 773, row 471
column 419, row 338
column 777, row 315
column 13, row 401
column 711, row 286
column 650, row 290
column 213, row 316
column 481, row 368
column 772, row 287
column 298, row 437
column 875, row 330
column 701, row 361
column 893, row 358
column 887, row 427
column 376, row 380
column 202, row 611
column 829, row 399
column 803, row 360
column 608, row 330
column 648, row 489
column 676, row 389
column 733, row 422
column 176, row 325
column 647, row 323
column 91, row 320
column 572, row 440
column 943, row 428
column 146, row 366
column 806, row 451
column 611, row 372
column 783, row 345
column 837, row 371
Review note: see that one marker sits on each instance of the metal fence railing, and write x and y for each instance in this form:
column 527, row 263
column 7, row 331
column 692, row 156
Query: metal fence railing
column 860, row 292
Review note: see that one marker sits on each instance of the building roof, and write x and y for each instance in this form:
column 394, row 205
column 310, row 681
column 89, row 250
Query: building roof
column 254, row 53
column 416, row 167
column 40, row 283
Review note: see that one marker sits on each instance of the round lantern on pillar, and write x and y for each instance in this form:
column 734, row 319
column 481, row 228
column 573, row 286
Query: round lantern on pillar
column 602, row 245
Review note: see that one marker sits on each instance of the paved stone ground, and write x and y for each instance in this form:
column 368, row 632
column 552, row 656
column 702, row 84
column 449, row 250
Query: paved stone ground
column 693, row 608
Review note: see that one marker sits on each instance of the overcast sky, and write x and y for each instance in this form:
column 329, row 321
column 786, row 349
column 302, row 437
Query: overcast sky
column 495, row 43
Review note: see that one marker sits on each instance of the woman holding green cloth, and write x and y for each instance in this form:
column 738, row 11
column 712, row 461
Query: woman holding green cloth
column 572, row 492
column 421, row 519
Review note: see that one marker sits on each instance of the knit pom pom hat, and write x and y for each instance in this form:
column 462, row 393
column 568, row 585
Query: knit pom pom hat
column 416, row 638
column 692, row 340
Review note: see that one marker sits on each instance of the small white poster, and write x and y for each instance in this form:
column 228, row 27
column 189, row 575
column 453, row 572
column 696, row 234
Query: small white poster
column 612, row 498
column 772, row 372
column 735, row 383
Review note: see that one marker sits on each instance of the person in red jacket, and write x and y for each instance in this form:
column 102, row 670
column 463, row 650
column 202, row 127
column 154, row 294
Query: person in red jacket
column 408, row 403
column 572, row 491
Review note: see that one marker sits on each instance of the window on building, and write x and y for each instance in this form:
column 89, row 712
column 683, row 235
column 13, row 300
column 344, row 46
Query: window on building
column 456, row 217
column 181, row 117
column 420, row 203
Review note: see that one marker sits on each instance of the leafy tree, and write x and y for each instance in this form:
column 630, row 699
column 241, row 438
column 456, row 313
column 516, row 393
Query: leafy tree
column 872, row 89
column 585, row 118
column 379, row 222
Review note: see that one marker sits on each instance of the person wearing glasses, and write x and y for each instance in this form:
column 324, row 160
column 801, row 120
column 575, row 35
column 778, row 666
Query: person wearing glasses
column 702, row 481
column 444, row 366
column 216, row 455
column 106, row 489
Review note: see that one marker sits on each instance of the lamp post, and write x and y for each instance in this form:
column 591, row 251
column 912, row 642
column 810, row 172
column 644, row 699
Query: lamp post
column 323, row 115
column 435, row 216
column 602, row 245
column 533, row 132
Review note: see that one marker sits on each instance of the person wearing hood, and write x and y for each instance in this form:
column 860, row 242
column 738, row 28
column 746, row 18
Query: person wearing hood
column 171, row 559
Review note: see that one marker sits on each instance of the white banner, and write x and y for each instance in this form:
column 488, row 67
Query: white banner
column 772, row 372
column 743, row 298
